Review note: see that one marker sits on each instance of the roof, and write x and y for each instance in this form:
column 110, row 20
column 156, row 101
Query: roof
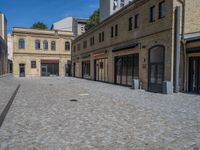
column 40, row 31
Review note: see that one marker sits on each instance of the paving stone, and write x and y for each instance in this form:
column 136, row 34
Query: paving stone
column 105, row 117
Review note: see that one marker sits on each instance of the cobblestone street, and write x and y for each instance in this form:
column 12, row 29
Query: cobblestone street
column 105, row 117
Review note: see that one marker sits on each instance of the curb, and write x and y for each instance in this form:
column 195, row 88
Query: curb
column 6, row 109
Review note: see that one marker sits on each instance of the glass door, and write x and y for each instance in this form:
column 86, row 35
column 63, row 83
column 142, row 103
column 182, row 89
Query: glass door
column 22, row 70
column 156, row 69
column 44, row 72
column 194, row 75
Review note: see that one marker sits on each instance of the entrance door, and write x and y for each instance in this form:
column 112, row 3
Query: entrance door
column 126, row 69
column 22, row 70
column 44, row 71
column 67, row 70
column 156, row 69
column 101, row 70
column 194, row 75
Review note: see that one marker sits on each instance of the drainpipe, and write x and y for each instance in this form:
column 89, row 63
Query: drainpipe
column 183, row 43
column 177, row 49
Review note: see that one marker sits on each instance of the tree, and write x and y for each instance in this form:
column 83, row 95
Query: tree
column 93, row 20
column 39, row 25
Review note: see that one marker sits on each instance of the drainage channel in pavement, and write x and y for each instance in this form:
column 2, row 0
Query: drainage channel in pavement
column 6, row 109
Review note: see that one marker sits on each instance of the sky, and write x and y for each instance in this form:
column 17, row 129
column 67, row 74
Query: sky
column 23, row 13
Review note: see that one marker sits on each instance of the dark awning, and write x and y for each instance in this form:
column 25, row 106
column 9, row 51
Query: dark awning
column 193, row 50
column 128, row 46
column 49, row 61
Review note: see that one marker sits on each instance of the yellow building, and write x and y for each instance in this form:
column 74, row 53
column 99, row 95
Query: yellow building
column 41, row 52
column 142, row 42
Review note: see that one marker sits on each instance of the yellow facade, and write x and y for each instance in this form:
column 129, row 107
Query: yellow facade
column 158, row 33
column 31, row 53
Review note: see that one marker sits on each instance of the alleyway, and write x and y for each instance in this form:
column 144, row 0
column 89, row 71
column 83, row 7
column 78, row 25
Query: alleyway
column 75, row 114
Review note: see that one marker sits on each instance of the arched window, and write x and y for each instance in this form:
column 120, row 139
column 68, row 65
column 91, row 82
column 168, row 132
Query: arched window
column 37, row 44
column 21, row 44
column 53, row 45
column 45, row 45
column 67, row 46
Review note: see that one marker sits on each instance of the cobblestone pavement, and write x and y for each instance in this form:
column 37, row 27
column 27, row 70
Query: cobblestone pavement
column 7, row 88
column 105, row 117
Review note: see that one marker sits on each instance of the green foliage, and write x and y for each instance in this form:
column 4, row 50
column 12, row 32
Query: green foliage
column 93, row 20
column 39, row 25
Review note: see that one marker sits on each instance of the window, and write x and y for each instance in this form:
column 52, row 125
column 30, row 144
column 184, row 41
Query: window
column 122, row 3
column 85, row 44
column 67, row 46
column 130, row 23
column 92, row 41
column 45, row 45
column 21, row 44
column 115, row 4
column 136, row 25
column 162, row 9
column 53, row 45
column 74, row 48
column 37, row 44
column 33, row 64
column 112, row 32
column 152, row 14
column 79, row 47
column 116, row 30
column 103, row 37
column 100, row 37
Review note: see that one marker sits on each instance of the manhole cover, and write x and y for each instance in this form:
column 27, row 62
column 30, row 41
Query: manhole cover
column 73, row 100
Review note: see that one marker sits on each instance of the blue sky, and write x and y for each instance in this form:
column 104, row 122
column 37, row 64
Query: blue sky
column 23, row 13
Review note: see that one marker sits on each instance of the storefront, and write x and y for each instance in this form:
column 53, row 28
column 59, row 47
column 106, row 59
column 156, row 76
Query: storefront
column 126, row 69
column 49, row 68
column 193, row 62
column 101, row 66
column 86, row 69
column 194, row 74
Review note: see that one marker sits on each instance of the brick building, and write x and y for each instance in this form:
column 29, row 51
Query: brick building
column 142, row 41
column 41, row 52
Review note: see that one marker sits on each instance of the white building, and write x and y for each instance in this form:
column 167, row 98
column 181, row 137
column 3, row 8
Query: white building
column 10, row 47
column 76, row 25
column 109, row 7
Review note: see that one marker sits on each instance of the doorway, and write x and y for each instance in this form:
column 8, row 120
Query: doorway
column 101, row 69
column 156, row 69
column 126, row 69
column 68, row 70
column 194, row 75
column 22, row 70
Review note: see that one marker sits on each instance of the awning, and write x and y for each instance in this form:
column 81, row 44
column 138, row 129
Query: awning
column 85, row 56
column 193, row 50
column 128, row 46
column 49, row 61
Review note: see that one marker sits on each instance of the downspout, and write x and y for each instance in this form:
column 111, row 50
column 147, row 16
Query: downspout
column 177, row 49
column 183, row 43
